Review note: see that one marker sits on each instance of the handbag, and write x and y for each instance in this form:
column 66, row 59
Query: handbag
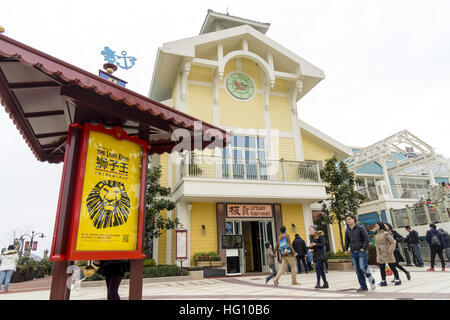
column 388, row 270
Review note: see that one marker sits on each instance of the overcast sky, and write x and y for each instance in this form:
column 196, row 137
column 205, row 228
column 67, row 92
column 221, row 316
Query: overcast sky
column 387, row 69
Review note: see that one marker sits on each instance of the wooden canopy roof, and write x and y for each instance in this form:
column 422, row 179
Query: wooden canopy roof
column 44, row 95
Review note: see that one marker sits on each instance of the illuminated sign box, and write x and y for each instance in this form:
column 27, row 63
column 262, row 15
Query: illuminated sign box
column 108, row 212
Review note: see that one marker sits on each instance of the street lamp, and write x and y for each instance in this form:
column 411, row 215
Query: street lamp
column 31, row 237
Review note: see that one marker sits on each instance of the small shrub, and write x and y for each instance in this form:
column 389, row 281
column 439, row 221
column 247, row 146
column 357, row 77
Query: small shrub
column 149, row 263
column 95, row 277
column 337, row 255
column 81, row 263
column 206, row 256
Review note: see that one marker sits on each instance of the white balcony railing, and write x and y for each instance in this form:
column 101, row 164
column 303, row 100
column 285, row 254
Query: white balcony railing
column 212, row 167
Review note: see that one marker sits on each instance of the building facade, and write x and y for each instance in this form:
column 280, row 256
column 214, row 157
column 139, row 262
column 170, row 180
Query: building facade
column 234, row 76
column 401, row 179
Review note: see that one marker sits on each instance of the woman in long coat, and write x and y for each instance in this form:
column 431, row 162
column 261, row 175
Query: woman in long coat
column 385, row 246
column 398, row 256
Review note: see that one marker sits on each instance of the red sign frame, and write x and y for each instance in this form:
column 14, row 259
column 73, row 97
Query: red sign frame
column 71, row 253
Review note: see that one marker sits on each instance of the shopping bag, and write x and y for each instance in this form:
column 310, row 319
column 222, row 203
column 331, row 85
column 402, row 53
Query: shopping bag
column 389, row 271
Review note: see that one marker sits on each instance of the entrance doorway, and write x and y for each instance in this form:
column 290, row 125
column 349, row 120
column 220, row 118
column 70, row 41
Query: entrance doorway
column 255, row 235
column 252, row 246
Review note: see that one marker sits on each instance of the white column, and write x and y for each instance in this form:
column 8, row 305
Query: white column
column 431, row 175
column 331, row 233
column 266, row 117
column 308, row 219
column 386, row 176
column 216, row 107
column 294, row 121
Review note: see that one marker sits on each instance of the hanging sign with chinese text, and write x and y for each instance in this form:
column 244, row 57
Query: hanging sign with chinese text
column 249, row 211
column 108, row 211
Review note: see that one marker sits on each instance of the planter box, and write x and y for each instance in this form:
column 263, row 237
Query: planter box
column 340, row 264
column 16, row 277
column 213, row 272
column 208, row 263
column 196, row 275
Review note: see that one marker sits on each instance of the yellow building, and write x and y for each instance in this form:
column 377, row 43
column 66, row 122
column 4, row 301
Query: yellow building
column 234, row 76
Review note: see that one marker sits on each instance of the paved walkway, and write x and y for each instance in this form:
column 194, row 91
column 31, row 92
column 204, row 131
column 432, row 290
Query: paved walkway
column 343, row 285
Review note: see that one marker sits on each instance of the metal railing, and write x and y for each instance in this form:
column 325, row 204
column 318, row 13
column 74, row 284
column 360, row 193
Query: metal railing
column 419, row 214
column 203, row 166
column 370, row 193
column 402, row 192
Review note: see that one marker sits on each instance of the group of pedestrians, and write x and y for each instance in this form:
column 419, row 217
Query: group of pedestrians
column 301, row 252
column 388, row 255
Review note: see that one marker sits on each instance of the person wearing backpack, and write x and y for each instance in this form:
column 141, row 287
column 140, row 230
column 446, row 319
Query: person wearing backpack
column 436, row 243
column 287, row 252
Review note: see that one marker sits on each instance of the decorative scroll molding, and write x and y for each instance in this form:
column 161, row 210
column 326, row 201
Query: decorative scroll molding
column 185, row 69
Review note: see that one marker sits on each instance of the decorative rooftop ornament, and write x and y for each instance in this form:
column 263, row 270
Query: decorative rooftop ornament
column 111, row 57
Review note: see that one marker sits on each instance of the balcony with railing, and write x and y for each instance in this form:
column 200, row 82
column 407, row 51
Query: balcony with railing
column 420, row 214
column 380, row 192
column 211, row 167
column 203, row 177
column 370, row 194
column 408, row 192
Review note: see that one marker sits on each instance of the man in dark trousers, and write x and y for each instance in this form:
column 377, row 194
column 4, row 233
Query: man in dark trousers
column 357, row 240
column 413, row 239
column 446, row 238
column 436, row 243
column 300, row 248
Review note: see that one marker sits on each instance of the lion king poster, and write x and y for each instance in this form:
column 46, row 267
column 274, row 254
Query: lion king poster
column 109, row 209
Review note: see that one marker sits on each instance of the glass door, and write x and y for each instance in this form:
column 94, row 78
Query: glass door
column 235, row 227
column 266, row 232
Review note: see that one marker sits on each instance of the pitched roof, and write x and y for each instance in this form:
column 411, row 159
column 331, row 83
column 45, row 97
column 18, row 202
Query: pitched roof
column 43, row 95
column 340, row 150
column 228, row 21
column 171, row 55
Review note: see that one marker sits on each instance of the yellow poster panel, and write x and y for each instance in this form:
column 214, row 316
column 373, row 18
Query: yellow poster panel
column 109, row 211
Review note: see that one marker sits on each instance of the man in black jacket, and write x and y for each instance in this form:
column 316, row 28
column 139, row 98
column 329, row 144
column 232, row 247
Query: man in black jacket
column 413, row 239
column 446, row 238
column 357, row 240
column 300, row 248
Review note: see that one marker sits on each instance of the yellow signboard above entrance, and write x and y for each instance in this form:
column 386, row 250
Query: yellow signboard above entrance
column 249, row 210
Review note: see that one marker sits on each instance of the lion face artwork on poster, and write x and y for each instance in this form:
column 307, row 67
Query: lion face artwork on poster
column 110, row 195
column 108, row 204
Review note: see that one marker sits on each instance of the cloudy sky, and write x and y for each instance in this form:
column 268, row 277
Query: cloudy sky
column 387, row 65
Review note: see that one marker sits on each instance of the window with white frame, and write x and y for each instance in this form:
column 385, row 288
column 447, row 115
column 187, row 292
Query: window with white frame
column 245, row 158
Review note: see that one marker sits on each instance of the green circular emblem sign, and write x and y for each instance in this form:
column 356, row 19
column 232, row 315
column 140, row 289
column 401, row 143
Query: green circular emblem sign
column 240, row 86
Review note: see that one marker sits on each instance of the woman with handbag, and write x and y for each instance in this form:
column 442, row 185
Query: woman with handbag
column 398, row 256
column 113, row 271
column 385, row 246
